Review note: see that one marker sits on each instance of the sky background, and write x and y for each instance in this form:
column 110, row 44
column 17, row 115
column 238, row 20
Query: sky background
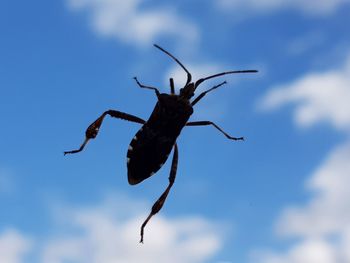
column 281, row 196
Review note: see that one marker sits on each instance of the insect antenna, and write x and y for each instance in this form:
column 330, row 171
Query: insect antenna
column 189, row 77
column 221, row 74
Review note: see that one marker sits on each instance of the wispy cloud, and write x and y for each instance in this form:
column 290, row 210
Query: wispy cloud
column 131, row 22
column 310, row 251
column 109, row 232
column 322, row 225
column 328, row 212
column 13, row 246
column 106, row 234
column 319, row 97
column 312, row 7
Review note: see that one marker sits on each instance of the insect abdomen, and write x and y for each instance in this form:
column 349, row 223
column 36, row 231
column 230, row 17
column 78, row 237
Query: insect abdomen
column 147, row 153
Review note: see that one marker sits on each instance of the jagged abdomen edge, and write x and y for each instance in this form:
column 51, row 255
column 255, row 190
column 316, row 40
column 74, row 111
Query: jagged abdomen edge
column 147, row 153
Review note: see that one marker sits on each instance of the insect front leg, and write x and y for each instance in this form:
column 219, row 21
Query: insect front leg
column 93, row 129
column 200, row 96
column 160, row 202
column 204, row 123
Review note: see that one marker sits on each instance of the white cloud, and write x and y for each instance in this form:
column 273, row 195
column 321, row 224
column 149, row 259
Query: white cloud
column 322, row 225
column 128, row 21
column 110, row 231
column 329, row 211
column 313, row 7
column 308, row 251
column 13, row 246
column 318, row 97
column 106, row 233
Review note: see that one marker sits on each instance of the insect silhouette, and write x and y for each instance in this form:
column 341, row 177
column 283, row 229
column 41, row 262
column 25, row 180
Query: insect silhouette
column 152, row 144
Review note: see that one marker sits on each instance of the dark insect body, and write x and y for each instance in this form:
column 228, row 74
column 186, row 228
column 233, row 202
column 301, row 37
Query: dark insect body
column 150, row 147
column 152, row 144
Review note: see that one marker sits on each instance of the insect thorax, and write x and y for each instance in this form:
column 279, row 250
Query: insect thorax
column 170, row 114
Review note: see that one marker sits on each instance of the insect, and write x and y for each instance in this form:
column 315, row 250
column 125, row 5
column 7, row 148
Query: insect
column 152, row 144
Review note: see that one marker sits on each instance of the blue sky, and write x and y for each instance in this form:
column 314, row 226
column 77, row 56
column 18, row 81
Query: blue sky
column 279, row 196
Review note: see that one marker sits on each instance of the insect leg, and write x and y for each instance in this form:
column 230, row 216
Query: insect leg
column 160, row 202
column 204, row 123
column 92, row 130
column 147, row 87
column 172, row 86
column 205, row 92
